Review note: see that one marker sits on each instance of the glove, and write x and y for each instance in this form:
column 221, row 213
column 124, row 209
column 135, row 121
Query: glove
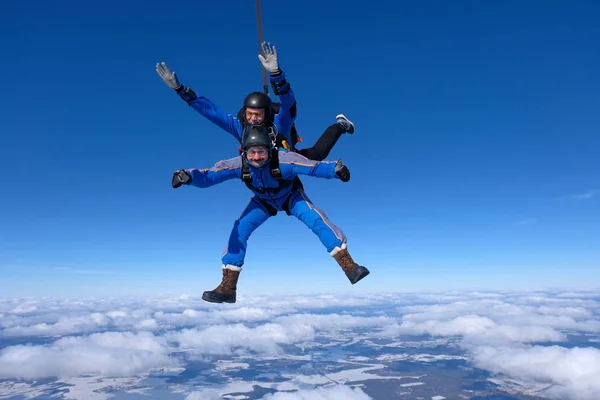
column 269, row 60
column 342, row 171
column 180, row 177
column 167, row 76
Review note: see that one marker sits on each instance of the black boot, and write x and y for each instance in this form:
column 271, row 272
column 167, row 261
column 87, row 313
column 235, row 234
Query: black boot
column 353, row 271
column 225, row 292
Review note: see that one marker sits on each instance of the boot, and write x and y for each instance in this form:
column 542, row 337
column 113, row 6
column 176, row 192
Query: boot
column 345, row 123
column 225, row 292
column 353, row 271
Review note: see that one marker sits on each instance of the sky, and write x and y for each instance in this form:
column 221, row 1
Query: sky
column 541, row 342
column 474, row 162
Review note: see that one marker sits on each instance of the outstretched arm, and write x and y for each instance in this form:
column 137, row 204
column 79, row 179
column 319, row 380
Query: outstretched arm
column 286, row 116
column 204, row 106
column 216, row 115
column 221, row 171
column 281, row 87
column 293, row 164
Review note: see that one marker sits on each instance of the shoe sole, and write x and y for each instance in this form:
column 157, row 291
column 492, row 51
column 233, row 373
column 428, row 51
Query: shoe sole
column 210, row 300
column 362, row 275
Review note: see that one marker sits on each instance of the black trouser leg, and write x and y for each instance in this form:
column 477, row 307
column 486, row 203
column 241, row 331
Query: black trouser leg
column 323, row 146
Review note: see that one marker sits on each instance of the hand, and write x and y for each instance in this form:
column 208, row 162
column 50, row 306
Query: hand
column 342, row 171
column 167, row 76
column 269, row 60
column 181, row 177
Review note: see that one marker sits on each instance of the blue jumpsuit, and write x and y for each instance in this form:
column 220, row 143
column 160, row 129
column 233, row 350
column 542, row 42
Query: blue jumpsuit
column 283, row 121
column 255, row 214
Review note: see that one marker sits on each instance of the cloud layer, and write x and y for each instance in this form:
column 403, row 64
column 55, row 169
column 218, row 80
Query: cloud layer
column 522, row 337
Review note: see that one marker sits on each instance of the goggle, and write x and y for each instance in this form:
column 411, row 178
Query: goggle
column 261, row 151
column 250, row 114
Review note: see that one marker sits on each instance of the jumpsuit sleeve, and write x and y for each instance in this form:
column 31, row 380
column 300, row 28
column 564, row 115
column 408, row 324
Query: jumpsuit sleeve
column 217, row 116
column 286, row 116
column 221, row 171
column 293, row 164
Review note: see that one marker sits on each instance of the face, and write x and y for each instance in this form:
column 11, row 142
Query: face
column 255, row 116
column 257, row 155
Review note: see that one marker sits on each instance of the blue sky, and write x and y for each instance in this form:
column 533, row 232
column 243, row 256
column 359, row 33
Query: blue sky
column 476, row 131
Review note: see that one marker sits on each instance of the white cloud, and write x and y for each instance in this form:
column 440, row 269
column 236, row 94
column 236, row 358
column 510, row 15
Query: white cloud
column 580, row 294
column 574, row 371
column 564, row 311
column 587, row 195
column 500, row 318
column 506, row 333
column 226, row 339
column 318, row 301
column 204, row 395
column 66, row 325
column 475, row 328
column 332, row 322
column 496, row 332
column 24, row 308
column 266, row 338
column 107, row 354
column 194, row 317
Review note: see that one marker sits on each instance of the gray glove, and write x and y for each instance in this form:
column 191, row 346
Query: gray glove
column 342, row 171
column 167, row 76
column 269, row 60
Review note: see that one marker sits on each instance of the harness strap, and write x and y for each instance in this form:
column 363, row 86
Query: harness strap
column 274, row 170
column 282, row 185
column 274, row 164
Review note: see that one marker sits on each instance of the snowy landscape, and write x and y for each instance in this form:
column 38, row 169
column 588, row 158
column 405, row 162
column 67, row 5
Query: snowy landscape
column 446, row 345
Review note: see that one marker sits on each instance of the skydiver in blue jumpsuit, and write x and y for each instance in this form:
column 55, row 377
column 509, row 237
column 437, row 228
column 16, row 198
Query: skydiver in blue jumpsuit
column 270, row 196
column 258, row 109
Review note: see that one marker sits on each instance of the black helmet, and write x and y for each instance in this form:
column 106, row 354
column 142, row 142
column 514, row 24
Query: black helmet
column 258, row 100
column 256, row 135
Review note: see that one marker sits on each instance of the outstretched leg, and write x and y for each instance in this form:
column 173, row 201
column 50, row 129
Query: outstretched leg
column 330, row 235
column 253, row 216
column 328, row 139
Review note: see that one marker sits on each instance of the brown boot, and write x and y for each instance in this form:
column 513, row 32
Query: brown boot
column 353, row 271
column 225, row 292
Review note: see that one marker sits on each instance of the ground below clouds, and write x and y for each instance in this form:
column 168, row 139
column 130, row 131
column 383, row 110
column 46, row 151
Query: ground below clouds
column 452, row 345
